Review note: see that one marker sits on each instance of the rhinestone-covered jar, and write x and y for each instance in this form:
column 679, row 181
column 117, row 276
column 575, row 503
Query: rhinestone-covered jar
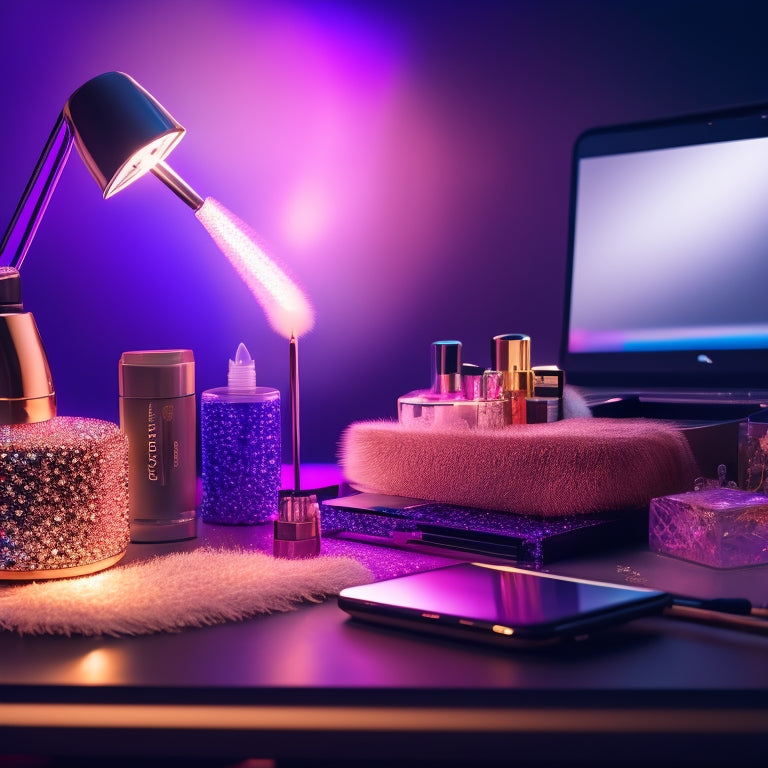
column 63, row 497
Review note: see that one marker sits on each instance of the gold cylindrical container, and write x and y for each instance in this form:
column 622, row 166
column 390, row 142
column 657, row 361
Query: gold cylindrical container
column 158, row 414
column 511, row 356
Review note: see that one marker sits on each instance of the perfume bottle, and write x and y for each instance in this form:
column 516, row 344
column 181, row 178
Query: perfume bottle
column 157, row 413
column 511, row 356
column 63, row 480
column 241, row 447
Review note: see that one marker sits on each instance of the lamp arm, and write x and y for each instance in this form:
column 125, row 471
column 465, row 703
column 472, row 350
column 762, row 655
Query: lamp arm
column 31, row 208
column 177, row 185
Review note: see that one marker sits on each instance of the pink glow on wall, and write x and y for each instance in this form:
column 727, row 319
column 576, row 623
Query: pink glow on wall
column 308, row 214
column 329, row 149
column 314, row 98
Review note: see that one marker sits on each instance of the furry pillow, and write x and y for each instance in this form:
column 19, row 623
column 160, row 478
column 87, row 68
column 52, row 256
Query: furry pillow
column 564, row 467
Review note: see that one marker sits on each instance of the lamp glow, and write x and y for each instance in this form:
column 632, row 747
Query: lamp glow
column 284, row 303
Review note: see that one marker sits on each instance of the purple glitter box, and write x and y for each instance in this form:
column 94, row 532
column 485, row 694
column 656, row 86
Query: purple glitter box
column 719, row 527
column 468, row 532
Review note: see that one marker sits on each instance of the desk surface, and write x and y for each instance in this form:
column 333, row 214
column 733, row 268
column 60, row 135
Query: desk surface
column 311, row 681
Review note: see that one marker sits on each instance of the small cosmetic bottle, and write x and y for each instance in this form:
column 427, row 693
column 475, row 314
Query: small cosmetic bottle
column 547, row 401
column 446, row 368
column 511, row 356
column 157, row 413
column 471, row 381
column 241, row 448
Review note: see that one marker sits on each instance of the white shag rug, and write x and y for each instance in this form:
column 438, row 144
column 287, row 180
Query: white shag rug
column 169, row 592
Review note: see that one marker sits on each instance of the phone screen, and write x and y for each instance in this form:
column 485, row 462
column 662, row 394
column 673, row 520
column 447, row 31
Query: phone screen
column 501, row 600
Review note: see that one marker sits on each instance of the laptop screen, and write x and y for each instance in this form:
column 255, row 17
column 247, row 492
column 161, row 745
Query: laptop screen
column 668, row 254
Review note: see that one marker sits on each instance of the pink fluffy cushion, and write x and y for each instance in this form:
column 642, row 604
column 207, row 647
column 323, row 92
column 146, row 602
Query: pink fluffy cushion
column 565, row 467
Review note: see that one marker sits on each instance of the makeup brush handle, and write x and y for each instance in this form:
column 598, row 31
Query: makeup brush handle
column 739, row 622
column 293, row 371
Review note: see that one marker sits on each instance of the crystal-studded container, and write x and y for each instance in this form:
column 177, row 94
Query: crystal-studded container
column 719, row 527
column 241, row 448
column 63, row 497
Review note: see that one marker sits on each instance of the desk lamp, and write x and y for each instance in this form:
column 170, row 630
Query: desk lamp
column 121, row 132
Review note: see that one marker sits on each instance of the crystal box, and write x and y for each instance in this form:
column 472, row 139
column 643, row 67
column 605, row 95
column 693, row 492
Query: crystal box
column 719, row 527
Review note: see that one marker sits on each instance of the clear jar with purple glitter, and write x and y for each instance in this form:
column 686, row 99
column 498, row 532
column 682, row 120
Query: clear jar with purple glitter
column 241, row 449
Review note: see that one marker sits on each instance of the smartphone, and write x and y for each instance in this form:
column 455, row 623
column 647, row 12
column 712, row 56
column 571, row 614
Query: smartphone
column 500, row 605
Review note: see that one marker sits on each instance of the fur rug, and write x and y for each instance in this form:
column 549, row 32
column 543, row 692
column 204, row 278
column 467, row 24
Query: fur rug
column 573, row 466
column 169, row 592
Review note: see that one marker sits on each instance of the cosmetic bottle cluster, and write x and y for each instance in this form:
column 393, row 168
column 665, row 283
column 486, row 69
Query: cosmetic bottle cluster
column 465, row 395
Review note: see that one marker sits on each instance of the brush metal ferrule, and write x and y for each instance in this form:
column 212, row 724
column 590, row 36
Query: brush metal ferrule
column 297, row 528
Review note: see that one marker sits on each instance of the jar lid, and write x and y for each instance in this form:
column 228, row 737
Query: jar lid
column 157, row 373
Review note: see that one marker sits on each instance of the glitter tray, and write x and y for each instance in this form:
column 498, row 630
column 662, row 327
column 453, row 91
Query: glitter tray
column 479, row 533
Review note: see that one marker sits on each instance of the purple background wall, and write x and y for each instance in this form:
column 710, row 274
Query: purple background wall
column 408, row 162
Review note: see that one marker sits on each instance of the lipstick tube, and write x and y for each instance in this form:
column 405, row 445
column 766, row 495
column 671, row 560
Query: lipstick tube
column 511, row 355
column 471, row 381
column 446, row 367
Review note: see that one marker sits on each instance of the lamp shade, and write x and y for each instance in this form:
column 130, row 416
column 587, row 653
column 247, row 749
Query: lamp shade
column 119, row 129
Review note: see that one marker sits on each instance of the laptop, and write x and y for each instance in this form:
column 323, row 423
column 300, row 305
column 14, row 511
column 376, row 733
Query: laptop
column 666, row 296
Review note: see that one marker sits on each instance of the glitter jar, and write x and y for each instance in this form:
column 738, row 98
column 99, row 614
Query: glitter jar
column 63, row 497
column 157, row 413
column 241, row 448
